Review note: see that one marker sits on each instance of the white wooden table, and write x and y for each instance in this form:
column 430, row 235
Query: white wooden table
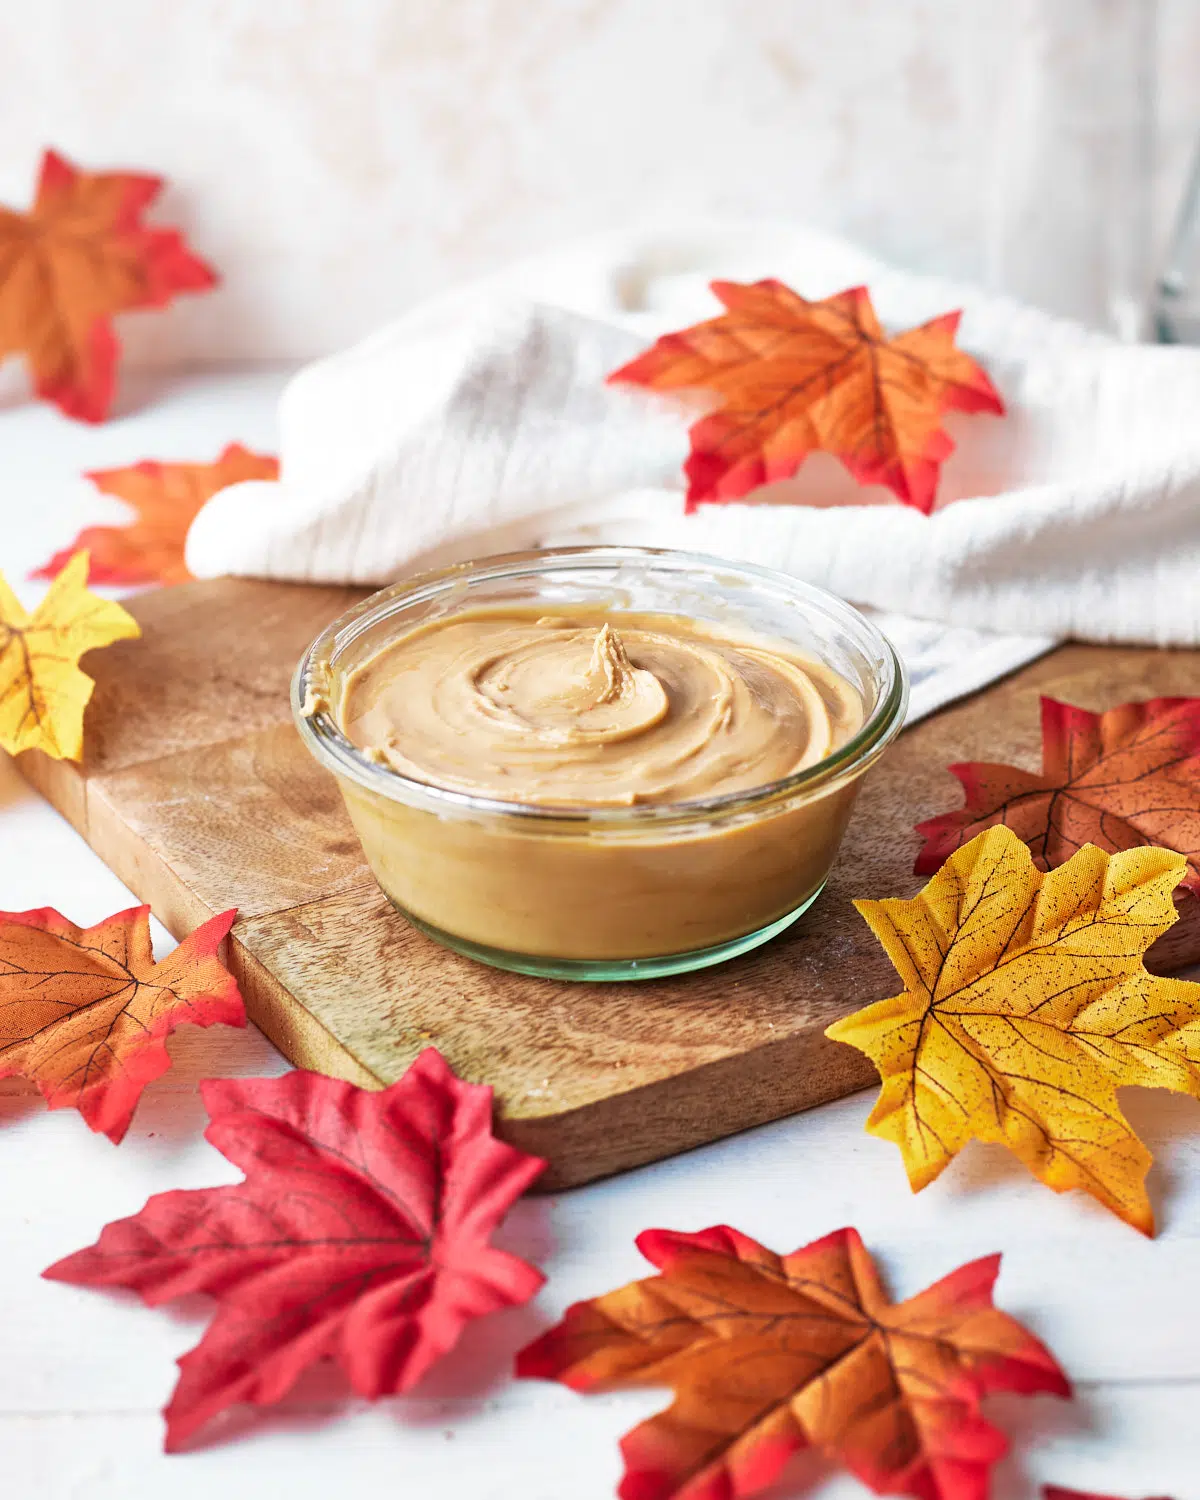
column 84, row 1373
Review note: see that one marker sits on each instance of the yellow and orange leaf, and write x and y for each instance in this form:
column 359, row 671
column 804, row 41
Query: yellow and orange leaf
column 85, row 1012
column 789, row 377
column 78, row 256
column 771, row 1354
column 166, row 497
column 43, row 692
column 1026, row 1005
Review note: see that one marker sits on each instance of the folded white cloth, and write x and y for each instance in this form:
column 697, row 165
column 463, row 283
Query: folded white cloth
column 480, row 422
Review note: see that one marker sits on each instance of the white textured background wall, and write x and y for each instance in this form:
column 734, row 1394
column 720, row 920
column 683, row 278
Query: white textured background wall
column 337, row 159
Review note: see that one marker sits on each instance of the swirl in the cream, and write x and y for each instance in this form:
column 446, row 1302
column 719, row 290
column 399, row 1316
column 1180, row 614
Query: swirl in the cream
column 594, row 710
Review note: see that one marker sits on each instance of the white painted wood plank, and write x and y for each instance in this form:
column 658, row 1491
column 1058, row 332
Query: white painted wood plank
column 1129, row 1440
column 1107, row 1301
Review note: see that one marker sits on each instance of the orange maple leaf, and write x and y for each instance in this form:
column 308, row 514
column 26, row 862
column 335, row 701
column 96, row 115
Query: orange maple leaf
column 792, row 376
column 85, row 1012
column 1118, row 780
column 167, row 497
column 770, row 1354
column 80, row 254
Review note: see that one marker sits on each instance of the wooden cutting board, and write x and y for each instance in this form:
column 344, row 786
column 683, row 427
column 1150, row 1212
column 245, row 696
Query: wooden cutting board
column 197, row 792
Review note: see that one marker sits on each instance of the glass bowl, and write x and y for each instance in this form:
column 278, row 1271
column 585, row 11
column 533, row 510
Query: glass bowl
column 630, row 892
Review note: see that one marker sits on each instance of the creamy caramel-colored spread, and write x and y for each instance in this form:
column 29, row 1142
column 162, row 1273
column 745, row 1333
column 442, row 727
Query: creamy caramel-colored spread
column 594, row 708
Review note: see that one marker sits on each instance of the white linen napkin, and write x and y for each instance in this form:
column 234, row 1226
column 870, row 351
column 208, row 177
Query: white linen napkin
column 480, row 422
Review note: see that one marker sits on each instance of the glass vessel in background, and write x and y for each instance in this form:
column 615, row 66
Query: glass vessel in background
column 1177, row 304
column 1068, row 222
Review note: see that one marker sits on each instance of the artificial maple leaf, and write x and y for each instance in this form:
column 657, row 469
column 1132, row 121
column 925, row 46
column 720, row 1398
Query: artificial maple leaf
column 85, row 1012
column 78, row 256
column 768, row 1355
column 792, row 376
column 1056, row 1492
column 361, row 1233
column 1026, row 1006
column 1118, row 780
column 167, row 497
column 43, row 692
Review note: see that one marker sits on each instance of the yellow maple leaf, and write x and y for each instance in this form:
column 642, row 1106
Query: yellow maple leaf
column 1026, row 1005
column 43, row 692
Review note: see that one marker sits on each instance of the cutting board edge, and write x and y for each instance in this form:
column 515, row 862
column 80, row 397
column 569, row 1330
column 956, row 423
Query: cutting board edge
column 61, row 782
column 288, row 1025
column 276, row 1012
column 676, row 1114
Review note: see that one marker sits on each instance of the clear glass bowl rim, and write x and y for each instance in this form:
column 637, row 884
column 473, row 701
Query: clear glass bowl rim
column 325, row 740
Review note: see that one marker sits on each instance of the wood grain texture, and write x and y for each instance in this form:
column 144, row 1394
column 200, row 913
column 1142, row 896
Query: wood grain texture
column 263, row 795
column 197, row 792
column 213, row 663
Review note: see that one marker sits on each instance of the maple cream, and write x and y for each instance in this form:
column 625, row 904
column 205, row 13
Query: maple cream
column 579, row 787
column 594, row 709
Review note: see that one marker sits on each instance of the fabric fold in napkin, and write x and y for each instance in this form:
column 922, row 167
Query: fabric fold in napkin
column 480, row 422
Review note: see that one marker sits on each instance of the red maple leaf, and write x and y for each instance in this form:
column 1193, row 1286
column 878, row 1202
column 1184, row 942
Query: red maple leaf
column 85, row 1011
column 1120, row 779
column 768, row 1355
column 78, row 256
column 789, row 376
column 361, row 1234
